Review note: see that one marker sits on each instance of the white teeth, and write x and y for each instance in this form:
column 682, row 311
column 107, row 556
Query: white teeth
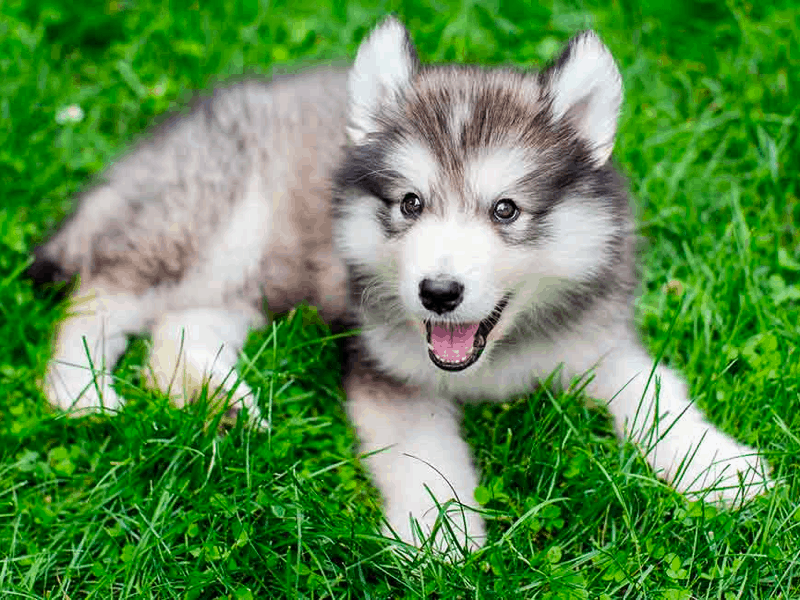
column 453, row 362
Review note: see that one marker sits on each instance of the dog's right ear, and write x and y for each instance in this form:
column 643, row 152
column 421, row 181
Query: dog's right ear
column 384, row 66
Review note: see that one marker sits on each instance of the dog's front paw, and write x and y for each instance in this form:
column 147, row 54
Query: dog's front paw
column 78, row 389
column 704, row 463
column 449, row 528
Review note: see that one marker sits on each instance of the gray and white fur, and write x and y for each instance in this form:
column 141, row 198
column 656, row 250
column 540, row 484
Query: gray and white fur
column 417, row 203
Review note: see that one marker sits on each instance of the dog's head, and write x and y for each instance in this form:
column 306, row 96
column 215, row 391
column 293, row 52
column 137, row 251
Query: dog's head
column 472, row 202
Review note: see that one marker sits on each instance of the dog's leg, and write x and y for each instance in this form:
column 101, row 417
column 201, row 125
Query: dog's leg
column 201, row 345
column 678, row 442
column 415, row 452
column 89, row 343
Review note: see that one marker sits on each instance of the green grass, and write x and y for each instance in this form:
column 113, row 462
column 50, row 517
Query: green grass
column 158, row 502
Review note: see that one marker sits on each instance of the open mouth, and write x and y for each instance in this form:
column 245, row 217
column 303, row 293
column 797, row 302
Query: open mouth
column 454, row 347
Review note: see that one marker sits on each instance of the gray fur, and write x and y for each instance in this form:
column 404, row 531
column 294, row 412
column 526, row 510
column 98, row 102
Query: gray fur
column 154, row 216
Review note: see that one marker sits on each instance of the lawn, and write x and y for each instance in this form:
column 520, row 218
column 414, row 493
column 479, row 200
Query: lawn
column 157, row 502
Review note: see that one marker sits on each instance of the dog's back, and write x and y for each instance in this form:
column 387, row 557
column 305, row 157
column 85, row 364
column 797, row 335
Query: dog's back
column 234, row 192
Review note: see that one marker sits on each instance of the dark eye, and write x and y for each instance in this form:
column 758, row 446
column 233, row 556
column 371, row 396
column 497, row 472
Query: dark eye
column 505, row 211
column 411, row 206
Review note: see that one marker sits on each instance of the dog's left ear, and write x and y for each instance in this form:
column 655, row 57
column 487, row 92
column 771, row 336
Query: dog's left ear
column 585, row 88
column 384, row 66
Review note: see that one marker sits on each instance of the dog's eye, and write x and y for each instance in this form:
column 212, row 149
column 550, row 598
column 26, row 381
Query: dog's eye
column 411, row 206
column 505, row 211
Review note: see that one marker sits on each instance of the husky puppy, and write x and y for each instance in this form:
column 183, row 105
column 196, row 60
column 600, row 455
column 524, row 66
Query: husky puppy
column 467, row 220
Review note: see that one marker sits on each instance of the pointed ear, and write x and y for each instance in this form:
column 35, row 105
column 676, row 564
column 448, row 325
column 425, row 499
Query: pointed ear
column 384, row 66
column 586, row 89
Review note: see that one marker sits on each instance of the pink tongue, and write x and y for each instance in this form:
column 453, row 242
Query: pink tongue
column 453, row 345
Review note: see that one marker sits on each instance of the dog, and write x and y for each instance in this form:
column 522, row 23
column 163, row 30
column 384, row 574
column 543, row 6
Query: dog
column 468, row 221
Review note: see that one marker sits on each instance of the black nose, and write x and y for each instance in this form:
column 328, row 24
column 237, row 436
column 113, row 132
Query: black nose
column 440, row 295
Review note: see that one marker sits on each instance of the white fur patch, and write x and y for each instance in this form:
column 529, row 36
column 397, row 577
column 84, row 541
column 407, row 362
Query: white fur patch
column 677, row 441
column 416, row 452
column 236, row 251
column 200, row 346
column 580, row 232
column 80, row 379
column 359, row 215
column 495, row 172
column 383, row 66
column 456, row 248
column 588, row 89
column 459, row 114
column 417, row 163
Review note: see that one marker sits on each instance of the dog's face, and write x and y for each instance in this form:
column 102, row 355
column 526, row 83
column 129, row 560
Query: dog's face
column 471, row 200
